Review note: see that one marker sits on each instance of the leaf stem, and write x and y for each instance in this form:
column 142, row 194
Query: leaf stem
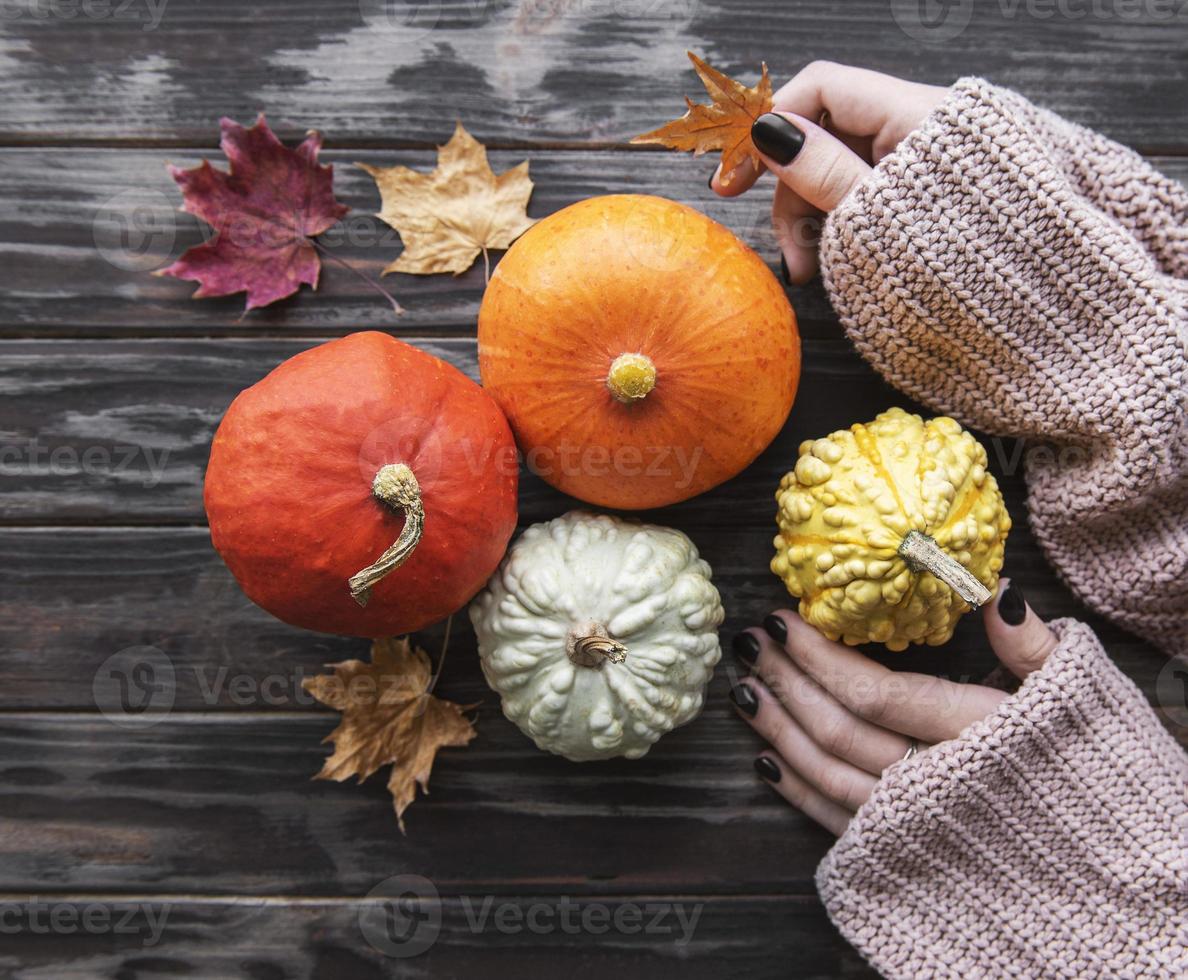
column 486, row 268
column 396, row 307
column 445, row 645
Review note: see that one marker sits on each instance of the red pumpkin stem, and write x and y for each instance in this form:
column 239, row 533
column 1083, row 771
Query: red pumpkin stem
column 922, row 554
column 396, row 486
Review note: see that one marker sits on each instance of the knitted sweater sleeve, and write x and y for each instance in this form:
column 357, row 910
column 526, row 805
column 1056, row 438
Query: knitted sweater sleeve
column 1027, row 276
column 1047, row 840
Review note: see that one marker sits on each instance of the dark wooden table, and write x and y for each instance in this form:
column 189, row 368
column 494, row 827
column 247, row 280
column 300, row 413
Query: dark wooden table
column 206, row 825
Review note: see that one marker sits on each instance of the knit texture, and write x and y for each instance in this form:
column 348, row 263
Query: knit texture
column 1046, row 841
column 1027, row 276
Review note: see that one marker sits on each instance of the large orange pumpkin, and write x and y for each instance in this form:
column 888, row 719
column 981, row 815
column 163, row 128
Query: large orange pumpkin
column 641, row 352
column 363, row 487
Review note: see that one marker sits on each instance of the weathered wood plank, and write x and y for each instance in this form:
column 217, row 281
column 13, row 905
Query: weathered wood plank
column 74, row 598
column 80, row 231
column 477, row 936
column 119, row 431
column 90, row 806
column 141, row 802
column 544, row 70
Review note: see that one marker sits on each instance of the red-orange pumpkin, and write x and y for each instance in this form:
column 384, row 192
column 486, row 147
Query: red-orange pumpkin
column 641, row 352
column 360, row 448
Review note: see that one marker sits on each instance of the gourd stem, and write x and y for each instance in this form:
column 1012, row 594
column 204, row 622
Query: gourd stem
column 593, row 647
column 923, row 554
column 396, row 486
column 631, row 377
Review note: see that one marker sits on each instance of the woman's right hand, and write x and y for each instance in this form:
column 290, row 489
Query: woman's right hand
column 827, row 128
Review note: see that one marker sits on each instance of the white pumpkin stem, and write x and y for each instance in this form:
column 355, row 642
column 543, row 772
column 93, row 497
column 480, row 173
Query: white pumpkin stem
column 396, row 486
column 923, row 554
column 592, row 647
column 631, row 377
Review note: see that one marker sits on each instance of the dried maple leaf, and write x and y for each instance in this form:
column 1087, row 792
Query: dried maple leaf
column 265, row 212
column 388, row 716
column 723, row 125
column 447, row 217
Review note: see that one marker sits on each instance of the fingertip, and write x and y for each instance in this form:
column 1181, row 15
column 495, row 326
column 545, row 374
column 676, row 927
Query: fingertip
column 818, row 166
column 1020, row 639
column 799, row 265
column 736, row 182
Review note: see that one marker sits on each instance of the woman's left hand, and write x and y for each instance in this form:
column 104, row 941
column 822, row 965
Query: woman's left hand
column 836, row 719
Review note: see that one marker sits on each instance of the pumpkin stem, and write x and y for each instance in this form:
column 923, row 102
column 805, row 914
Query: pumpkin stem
column 396, row 486
column 923, row 554
column 631, row 377
column 593, row 647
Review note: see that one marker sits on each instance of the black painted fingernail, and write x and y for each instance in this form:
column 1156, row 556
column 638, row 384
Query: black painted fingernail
column 784, row 275
column 777, row 138
column 776, row 628
column 1012, row 605
column 744, row 699
column 767, row 769
column 746, row 648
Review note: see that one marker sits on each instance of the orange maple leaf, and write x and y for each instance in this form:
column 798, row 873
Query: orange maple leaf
column 388, row 716
column 723, row 125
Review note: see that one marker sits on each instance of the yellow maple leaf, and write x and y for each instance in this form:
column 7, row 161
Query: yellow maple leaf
column 388, row 716
column 724, row 124
column 447, row 217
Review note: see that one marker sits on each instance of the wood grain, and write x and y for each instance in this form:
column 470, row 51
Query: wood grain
column 81, row 230
column 119, row 431
column 112, row 382
column 575, row 71
column 474, row 936
column 75, row 597
column 227, row 805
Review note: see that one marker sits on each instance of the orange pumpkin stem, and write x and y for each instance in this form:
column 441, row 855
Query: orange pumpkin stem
column 396, row 486
column 631, row 377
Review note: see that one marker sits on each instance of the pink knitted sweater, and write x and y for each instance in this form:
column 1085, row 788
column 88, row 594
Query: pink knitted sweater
column 1030, row 278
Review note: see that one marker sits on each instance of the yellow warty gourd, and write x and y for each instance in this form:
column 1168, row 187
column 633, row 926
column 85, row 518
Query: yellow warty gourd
column 890, row 531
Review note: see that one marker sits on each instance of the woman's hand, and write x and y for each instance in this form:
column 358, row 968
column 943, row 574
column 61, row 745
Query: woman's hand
column 828, row 126
column 836, row 719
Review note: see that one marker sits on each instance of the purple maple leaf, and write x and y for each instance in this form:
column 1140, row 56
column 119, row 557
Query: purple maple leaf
column 264, row 211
